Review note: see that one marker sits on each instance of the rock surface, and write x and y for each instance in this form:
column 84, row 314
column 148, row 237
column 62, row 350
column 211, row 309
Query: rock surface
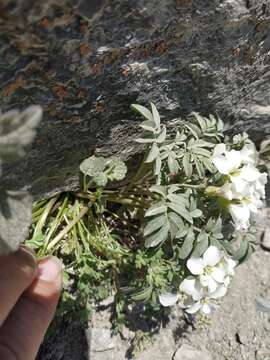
column 86, row 61
column 186, row 352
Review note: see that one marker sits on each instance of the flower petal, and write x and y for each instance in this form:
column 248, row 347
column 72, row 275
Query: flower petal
column 206, row 309
column 195, row 266
column 194, row 308
column 168, row 299
column 188, row 286
column 220, row 292
column 211, row 256
column 218, row 274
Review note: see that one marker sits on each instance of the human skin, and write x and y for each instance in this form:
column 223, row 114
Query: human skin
column 29, row 293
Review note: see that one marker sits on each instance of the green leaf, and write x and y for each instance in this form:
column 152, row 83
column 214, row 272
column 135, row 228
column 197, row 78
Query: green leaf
column 242, row 252
column 158, row 208
column 100, row 179
column 158, row 237
column 187, row 164
column 201, row 247
column 154, row 224
column 181, row 210
column 187, row 245
column 157, row 166
column 156, row 116
column 148, row 126
column 176, row 224
column 162, row 136
column 146, row 139
column 196, row 213
column 118, row 169
column 143, row 111
column 93, row 165
column 17, row 131
column 194, row 129
column 153, row 153
column 15, row 218
column 201, row 151
column 142, row 295
column 159, row 189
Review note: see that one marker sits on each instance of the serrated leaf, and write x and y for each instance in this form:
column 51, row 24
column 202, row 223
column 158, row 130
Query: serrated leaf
column 153, row 153
column 143, row 111
column 154, row 224
column 118, row 169
column 181, row 210
column 158, row 208
column 156, row 116
column 15, row 218
column 187, row 245
column 93, row 165
column 17, row 130
column 158, row 237
column 100, row 179
column 200, row 120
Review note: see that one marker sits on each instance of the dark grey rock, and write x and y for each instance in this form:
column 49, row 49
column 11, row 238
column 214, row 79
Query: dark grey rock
column 85, row 62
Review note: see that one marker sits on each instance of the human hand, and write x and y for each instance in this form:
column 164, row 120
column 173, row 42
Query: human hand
column 29, row 292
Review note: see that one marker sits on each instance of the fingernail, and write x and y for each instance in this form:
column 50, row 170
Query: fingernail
column 49, row 268
column 28, row 250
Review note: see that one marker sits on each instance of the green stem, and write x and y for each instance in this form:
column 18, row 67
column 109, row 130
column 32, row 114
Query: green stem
column 45, row 215
column 60, row 236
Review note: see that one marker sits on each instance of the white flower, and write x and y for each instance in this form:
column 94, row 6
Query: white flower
column 227, row 162
column 208, row 269
column 246, row 184
column 168, row 299
column 199, row 298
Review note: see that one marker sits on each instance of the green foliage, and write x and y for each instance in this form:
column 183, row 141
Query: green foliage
column 134, row 240
column 101, row 170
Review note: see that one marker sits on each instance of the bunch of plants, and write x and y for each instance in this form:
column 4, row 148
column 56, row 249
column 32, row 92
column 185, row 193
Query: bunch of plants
column 173, row 231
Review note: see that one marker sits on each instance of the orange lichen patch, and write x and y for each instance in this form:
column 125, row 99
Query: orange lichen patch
column 97, row 69
column 236, row 51
column 60, row 91
column 126, row 71
column 98, row 109
column 81, row 94
column 83, row 28
column 261, row 26
column 85, row 49
column 161, row 48
column 44, row 23
column 249, row 55
column 11, row 88
column 112, row 57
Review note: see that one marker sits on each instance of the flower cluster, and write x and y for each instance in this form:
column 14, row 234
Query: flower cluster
column 244, row 185
column 209, row 280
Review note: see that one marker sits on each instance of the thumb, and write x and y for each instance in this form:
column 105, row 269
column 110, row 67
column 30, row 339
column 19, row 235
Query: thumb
column 25, row 327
